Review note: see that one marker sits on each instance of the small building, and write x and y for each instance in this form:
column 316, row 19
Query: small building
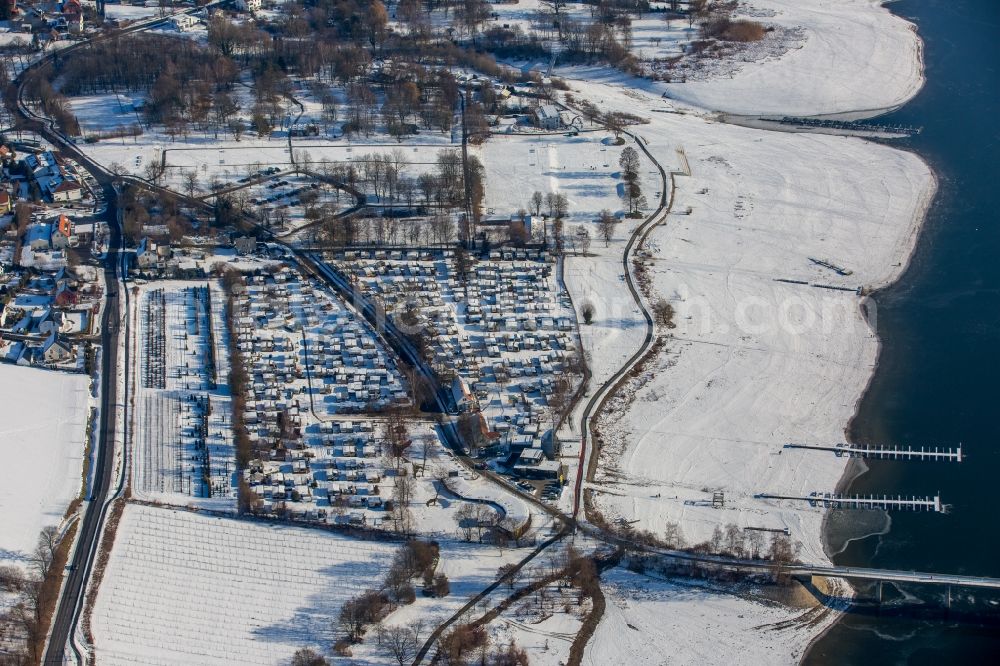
column 252, row 6
column 464, row 400
column 37, row 236
column 546, row 469
column 72, row 14
column 55, row 350
column 521, row 229
column 145, row 253
column 67, row 190
column 6, row 204
column 62, row 231
column 41, row 165
column 546, row 117
column 183, row 22
column 245, row 245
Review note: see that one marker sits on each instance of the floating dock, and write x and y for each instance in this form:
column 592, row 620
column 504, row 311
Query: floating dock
column 943, row 454
column 884, row 502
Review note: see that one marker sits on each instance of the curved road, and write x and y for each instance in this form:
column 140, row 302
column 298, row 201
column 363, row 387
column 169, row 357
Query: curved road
column 606, row 389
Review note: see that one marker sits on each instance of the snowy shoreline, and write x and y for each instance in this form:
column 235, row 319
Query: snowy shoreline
column 866, row 201
column 852, row 471
column 859, row 60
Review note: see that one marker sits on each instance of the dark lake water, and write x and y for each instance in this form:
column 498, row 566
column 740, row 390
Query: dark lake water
column 937, row 382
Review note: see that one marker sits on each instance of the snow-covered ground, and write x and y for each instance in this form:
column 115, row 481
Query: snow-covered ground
column 182, row 588
column 44, row 416
column 856, row 56
column 129, row 12
column 215, row 156
column 183, row 449
column 649, row 621
column 584, row 168
column 755, row 362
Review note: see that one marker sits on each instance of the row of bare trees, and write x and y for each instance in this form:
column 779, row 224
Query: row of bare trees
column 38, row 89
column 32, row 595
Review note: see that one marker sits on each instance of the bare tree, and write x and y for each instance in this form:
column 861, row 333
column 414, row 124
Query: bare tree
column 191, row 182
column 397, row 435
column 45, row 551
column 512, row 572
column 153, row 172
column 734, row 540
column 629, row 163
column 663, row 313
column 673, row 536
column 536, row 203
column 402, row 495
column 606, row 222
column 755, row 539
column 555, row 9
column 440, row 586
column 440, row 476
column 616, row 124
column 400, row 642
column 465, row 519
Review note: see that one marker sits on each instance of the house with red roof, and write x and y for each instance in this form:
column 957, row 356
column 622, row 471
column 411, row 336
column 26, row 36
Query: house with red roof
column 67, row 190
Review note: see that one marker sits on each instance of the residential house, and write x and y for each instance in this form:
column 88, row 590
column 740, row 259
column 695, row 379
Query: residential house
column 149, row 253
column 464, row 400
column 65, row 296
column 42, row 165
column 145, row 253
column 245, row 245
column 61, row 233
column 6, row 203
column 37, row 236
column 65, row 190
column 546, row 117
column 55, row 350
column 183, row 22
column 72, row 13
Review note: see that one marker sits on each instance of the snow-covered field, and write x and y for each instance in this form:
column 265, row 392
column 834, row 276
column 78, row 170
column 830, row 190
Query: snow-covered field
column 182, row 588
column 129, row 12
column 856, row 56
column 44, row 416
column 584, row 168
column 649, row 621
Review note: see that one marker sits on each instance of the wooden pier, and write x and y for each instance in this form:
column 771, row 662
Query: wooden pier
column 883, row 502
column 940, row 454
